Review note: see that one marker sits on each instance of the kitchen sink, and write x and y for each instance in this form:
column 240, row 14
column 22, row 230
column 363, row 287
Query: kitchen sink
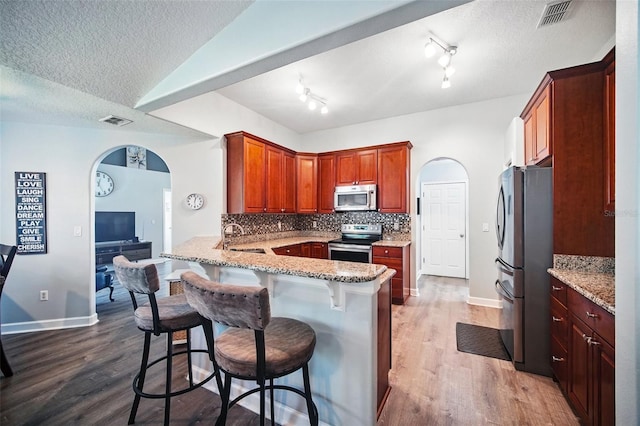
column 249, row 250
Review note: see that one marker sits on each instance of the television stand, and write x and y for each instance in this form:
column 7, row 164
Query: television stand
column 105, row 252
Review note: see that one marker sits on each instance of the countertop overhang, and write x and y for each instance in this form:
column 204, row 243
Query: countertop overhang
column 596, row 286
column 203, row 250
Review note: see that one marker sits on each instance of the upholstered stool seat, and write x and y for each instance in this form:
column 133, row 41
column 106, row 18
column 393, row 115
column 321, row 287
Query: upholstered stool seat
column 159, row 316
column 174, row 313
column 255, row 346
column 289, row 344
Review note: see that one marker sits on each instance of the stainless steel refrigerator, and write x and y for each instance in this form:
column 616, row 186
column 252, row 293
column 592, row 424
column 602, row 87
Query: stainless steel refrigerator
column 524, row 227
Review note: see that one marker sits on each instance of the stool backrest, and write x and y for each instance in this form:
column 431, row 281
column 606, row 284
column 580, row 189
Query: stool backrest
column 138, row 278
column 7, row 253
column 231, row 305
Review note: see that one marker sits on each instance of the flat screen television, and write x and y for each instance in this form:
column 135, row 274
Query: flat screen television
column 115, row 226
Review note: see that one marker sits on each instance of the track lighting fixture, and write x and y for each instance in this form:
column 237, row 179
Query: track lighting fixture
column 431, row 48
column 311, row 99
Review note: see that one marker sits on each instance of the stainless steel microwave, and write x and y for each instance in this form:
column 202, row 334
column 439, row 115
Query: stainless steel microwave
column 355, row 198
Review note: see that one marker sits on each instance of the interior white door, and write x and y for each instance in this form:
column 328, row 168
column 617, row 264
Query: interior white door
column 443, row 229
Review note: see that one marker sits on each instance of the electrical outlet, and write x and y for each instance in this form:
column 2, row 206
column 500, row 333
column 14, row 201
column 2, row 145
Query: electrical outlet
column 315, row 223
column 396, row 226
column 279, row 226
column 77, row 231
column 44, row 295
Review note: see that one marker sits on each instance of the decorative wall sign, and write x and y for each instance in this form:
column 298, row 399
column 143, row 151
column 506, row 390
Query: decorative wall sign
column 31, row 215
column 136, row 157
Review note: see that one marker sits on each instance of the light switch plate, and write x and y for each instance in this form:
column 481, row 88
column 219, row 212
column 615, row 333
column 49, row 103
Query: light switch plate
column 77, row 231
column 485, row 227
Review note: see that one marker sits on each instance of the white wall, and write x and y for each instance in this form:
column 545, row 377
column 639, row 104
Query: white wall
column 627, row 215
column 139, row 191
column 70, row 156
column 473, row 135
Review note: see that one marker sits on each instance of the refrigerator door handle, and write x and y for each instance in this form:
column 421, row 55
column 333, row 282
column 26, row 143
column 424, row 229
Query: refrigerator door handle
column 502, row 292
column 504, row 267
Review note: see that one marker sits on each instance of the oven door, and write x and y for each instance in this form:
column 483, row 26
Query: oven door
column 350, row 252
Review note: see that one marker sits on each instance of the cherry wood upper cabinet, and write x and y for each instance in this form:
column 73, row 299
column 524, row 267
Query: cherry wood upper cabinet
column 326, row 182
column 537, row 120
column 393, row 178
column 260, row 175
column 307, row 180
column 610, row 133
column 357, row 167
column 246, row 169
column 567, row 113
column 289, row 183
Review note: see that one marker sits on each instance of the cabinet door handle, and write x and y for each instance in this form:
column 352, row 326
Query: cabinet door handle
column 586, row 338
column 593, row 342
column 590, row 315
column 554, row 288
column 555, row 319
column 556, row 359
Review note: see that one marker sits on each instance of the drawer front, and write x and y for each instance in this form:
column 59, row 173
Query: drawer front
column 559, row 290
column 384, row 251
column 559, row 322
column 593, row 315
column 559, row 363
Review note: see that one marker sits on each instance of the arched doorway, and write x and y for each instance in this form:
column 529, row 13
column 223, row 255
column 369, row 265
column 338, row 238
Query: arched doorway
column 131, row 186
column 443, row 241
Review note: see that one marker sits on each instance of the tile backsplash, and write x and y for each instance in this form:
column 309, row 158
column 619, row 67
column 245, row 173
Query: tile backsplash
column 258, row 224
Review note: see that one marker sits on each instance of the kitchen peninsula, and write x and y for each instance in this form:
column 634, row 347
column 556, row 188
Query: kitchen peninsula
column 347, row 304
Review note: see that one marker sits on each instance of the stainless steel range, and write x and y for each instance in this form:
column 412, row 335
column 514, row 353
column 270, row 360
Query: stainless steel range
column 355, row 243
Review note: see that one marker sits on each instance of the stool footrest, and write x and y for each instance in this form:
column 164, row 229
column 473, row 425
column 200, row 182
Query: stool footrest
column 191, row 387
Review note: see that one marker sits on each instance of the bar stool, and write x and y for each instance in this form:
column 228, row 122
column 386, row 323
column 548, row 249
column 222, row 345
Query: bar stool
column 159, row 316
column 7, row 253
column 255, row 346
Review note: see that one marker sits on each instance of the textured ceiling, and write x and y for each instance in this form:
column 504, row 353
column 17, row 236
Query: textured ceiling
column 68, row 61
column 116, row 50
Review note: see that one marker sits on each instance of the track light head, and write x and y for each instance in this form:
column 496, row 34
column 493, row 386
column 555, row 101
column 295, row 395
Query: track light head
column 430, row 48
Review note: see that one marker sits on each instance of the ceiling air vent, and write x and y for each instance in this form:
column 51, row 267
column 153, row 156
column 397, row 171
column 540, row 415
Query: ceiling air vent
column 554, row 12
column 116, row 121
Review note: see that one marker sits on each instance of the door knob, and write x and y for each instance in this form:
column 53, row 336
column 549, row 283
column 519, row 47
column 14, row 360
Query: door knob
column 461, row 235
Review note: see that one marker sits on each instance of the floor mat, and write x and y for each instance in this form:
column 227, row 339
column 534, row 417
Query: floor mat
column 479, row 340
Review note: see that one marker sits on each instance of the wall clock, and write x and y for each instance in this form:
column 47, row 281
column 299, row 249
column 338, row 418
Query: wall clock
column 104, row 184
column 195, row 201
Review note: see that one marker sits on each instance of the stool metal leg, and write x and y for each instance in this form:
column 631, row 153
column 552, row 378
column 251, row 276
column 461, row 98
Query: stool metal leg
column 224, row 394
column 313, row 413
column 273, row 412
column 167, row 400
column 139, row 383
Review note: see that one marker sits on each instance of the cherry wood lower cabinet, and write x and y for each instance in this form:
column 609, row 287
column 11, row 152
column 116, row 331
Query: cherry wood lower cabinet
column 395, row 258
column 583, row 354
column 314, row 250
column 384, row 344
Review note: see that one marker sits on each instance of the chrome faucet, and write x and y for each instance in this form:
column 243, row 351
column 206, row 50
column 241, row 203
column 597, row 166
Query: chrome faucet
column 225, row 243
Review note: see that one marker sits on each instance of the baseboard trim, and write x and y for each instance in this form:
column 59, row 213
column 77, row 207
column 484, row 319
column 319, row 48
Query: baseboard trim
column 45, row 325
column 414, row 292
column 489, row 303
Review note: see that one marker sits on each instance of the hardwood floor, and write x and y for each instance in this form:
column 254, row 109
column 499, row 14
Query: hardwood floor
column 434, row 384
column 83, row 376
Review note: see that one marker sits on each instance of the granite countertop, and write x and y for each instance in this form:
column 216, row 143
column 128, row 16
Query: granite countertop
column 592, row 277
column 203, row 250
column 392, row 243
